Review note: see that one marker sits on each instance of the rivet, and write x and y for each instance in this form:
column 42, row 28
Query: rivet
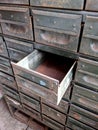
column 74, row 25
column 54, row 22
column 58, row 114
column 12, row 16
column 37, row 20
column 91, row 27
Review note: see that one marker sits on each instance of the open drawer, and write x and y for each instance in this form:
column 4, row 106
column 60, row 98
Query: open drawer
column 48, row 71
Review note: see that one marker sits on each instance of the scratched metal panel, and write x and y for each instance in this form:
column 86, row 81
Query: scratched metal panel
column 84, row 116
column 76, row 125
column 86, row 98
column 54, row 29
column 15, row 2
column 92, row 5
column 65, row 4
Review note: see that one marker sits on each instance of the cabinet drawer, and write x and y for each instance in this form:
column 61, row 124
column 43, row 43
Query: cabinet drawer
column 62, row 107
column 87, row 73
column 32, row 113
column 19, row 45
column 84, row 116
column 15, row 2
column 67, row 93
column 89, row 43
column 76, row 125
column 33, row 103
column 52, row 124
column 72, row 4
column 85, row 98
column 51, row 72
column 16, row 55
column 52, row 113
column 92, row 5
column 11, row 93
column 54, row 29
column 3, row 50
column 5, row 61
column 16, row 22
column 8, row 80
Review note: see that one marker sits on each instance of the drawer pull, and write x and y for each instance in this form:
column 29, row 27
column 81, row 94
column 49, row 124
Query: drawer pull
column 55, row 37
column 90, row 80
column 94, row 47
column 15, row 28
column 1, row 48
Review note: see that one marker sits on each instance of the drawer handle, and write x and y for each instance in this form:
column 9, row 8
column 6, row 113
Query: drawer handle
column 53, row 37
column 90, row 80
column 1, row 48
column 15, row 28
column 94, row 47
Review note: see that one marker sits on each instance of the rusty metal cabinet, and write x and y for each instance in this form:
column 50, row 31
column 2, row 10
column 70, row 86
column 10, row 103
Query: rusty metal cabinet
column 92, row 5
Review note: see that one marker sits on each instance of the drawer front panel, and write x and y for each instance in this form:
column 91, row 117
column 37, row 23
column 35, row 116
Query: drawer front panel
column 90, row 81
column 3, row 50
column 30, row 102
column 55, row 29
column 5, row 62
column 84, row 116
column 85, row 93
column 16, row 55
column 76, row 125
column 91, row 27
column 30, row 88
column 11, row 93
column 52, row 124
column 59, row 117
column 32, row 113
column 14, row 2
column 20, row 30
column 67, row 93
column 19, row 45
column 8, row 80
column 89, row 47
column 84, row 101
column 62, row 107
column 92, row 5
column 72, row 4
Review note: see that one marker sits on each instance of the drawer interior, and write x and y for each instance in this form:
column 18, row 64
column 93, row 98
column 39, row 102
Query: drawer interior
column 51, row 65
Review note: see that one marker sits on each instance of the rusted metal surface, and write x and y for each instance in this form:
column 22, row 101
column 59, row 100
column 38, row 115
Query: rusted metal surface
column 30, row 101
column 65, row 4
column 84, row 116
column 92, row 5
column 54, row 114
column 8, row 80
column 36, row 59
column 76, row 125
column 85, row 98
column 16, row 22
column 52, row 124
column 89, row 44
column 54, row 29
column 15, row 2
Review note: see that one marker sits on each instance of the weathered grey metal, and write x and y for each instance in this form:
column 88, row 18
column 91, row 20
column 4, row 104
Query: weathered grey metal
column 89, row 44
column 16, row 22
column 3, row 50
column 8, row 80
column 87, row 73
column 30, row 101
column 67, row 94
column 33, row 67
column 92, row 5
column 52, row 124
column 11, row 93
column 76, row 125
column 65, row 4
column 54, row 114
column 62, row 107
column 15, row 2
column 85, row 98
column 19, row 45
column 54, row 29
column 84, row 116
